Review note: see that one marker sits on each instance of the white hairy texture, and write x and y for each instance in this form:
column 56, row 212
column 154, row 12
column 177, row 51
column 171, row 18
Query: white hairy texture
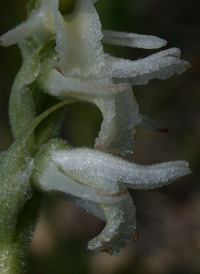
column 91, row 176
column 120, row 111
column 84, row 72
column 120, row 117
column 19, row 33
column 102, row 171
column 93, row 179
column 61, row 86
column 78, row 43
column 55, row 178
column 161, row 65
column 132, row 40
column 107, row 200
column 40, row 23
column 119, row 230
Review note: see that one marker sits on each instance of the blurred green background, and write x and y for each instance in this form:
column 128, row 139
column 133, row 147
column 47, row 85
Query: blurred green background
column 168, row 218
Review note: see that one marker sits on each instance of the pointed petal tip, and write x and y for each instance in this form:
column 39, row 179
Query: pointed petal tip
column 3, row 42
column 187, row 168
column 154, row 43
column 165, row 42
column 159, row 44
column 119, row 230
column 188, row 65
column 179, row 169
column 9, row 38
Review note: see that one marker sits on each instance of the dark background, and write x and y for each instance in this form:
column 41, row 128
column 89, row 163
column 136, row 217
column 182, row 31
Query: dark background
column 168, row 218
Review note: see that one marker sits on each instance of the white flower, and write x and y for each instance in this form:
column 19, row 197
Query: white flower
column 80, row 69
column 83, row 71
column 98, row 182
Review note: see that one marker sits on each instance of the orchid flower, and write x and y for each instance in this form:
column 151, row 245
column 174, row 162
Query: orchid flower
column 63, row 59
column 98, row 182
column 82, row 70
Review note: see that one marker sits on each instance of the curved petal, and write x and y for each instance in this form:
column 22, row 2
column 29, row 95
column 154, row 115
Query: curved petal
column 132, row 40
column 120, row 111
column 119, row 229
column 161, row 65
column 54, row 179
column 40, row 23
column 54, row 173
column 157, row 175
column 120, row 118
column 78, row 43
column 22, row 31
column 61, row 86
column 98, row 167
column 58, row 170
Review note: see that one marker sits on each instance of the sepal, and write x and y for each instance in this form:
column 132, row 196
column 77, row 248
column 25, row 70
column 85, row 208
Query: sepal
column 133, row 40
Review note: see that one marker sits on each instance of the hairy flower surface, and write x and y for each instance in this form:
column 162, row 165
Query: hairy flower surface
column 63, row 58
column 82, row 70
column 101, row 180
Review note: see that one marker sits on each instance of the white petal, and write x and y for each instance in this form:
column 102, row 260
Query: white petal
column 132, row 40
column 98, row 167
column 120, row 118
column 61, row 86
column 78, row 41
column 98, row 177
column 40, row 23
column 53, row 179
column 120, row 223
column 120, row 112
column 22, row 31
column 155, row 176
column 119, row 229
column 161, row 65
column 53, row 172
column 81, row 165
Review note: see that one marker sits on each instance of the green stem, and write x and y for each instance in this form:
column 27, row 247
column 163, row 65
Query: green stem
column 14, row 253
column 19, row 205
column 46, row 113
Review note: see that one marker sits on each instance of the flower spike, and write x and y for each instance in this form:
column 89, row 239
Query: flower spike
column 63, row 59
column 83, row 71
